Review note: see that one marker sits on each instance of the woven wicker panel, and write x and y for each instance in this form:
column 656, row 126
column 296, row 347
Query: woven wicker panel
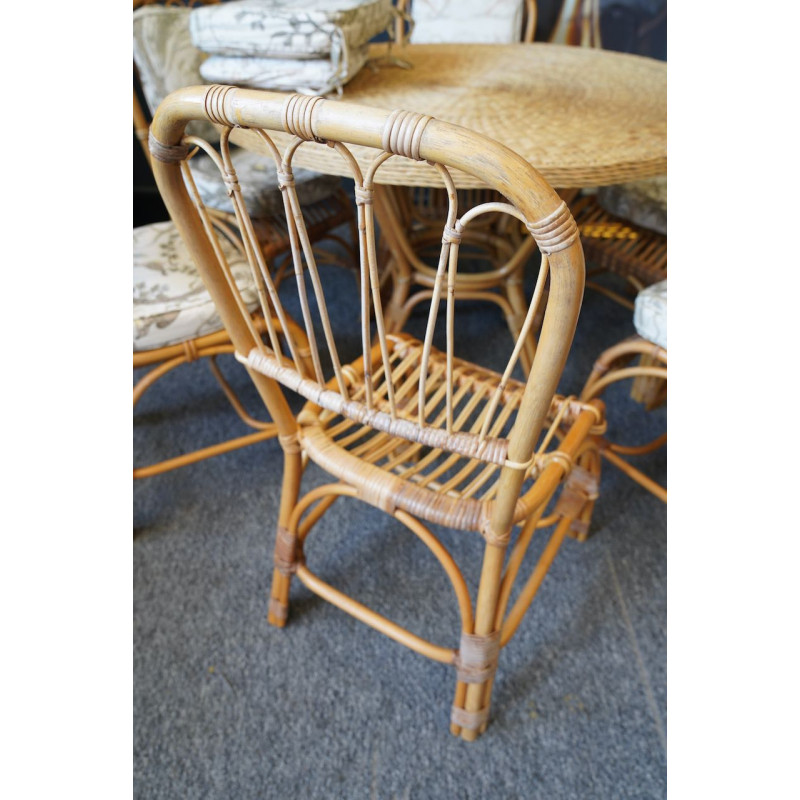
column 581, row 116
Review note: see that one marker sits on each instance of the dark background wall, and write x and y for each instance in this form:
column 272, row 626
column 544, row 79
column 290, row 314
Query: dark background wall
column 628, row 26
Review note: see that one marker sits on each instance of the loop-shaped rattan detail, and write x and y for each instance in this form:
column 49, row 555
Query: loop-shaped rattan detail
column 168, row 153
column 555, row 232
column 214, row 104
column 469, row 720
column 402, row 133
column 298, row 116
column 477, row 657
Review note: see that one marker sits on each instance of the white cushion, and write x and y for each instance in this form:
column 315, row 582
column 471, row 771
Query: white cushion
column 642, row 202
column 650, row 314
column 166, row 58
column 170, row 302
column 307, row 76
column 287, row 28
column 467, row 21
column 259, row 182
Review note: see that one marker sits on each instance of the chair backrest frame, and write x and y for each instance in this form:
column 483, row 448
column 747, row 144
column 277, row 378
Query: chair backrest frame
column 423, row 138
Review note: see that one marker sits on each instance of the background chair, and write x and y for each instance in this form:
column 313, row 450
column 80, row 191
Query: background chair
column 649, row 377
column 405, row 424
column 174, row 320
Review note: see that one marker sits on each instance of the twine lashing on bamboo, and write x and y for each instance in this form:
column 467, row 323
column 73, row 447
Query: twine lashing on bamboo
column 168, row 153
column 285, row 556
column 402, row 133
column 477, row 657
column 469, row 720
column 555, row 232
column 214, row 103
column 491, row 450
column 298, row 116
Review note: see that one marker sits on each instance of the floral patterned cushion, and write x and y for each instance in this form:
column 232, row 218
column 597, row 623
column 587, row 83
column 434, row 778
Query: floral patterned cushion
column 642, row 202
column 170, row 302
column 307, row 76
column 287, row 28
column 166, row 58
column 259, row 183
column 650, row 314
column 466, row 21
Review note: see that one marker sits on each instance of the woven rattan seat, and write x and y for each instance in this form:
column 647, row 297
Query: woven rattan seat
column 434, row 484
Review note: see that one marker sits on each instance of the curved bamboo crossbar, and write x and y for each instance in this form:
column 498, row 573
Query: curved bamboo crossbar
column 650, row 381
column 420, row 433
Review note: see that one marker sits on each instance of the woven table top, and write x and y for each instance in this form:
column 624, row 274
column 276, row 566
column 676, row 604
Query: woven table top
column 581, row 116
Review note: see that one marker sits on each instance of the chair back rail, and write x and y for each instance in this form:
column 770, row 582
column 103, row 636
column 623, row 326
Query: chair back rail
column 316, row 122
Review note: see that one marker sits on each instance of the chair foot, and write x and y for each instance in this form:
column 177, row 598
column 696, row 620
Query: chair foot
column 278, row 613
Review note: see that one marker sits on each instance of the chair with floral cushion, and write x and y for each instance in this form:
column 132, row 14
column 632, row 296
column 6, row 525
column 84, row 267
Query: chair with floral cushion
column 649, row 376
column 174, row 319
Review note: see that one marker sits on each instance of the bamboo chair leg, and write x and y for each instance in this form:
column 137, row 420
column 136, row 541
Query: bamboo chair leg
column 650, row 392
column 475, row 695
column 281, row 575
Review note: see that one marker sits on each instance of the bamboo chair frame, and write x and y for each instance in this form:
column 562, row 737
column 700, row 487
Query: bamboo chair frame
column 649, row 378
column 419, row 433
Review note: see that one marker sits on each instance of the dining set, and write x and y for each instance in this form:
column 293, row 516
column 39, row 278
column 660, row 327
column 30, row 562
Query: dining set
column 446, row 173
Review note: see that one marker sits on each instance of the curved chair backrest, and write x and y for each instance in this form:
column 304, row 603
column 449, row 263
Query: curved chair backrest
column 313, row 122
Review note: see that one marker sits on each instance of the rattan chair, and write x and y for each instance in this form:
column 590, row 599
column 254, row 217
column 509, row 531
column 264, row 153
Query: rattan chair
column 648, row 347
column 422, row 434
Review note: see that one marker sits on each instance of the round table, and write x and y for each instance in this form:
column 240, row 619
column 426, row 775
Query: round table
column 581, row 116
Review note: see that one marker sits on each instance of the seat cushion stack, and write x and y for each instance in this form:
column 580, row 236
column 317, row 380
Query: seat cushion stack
column 311, row 47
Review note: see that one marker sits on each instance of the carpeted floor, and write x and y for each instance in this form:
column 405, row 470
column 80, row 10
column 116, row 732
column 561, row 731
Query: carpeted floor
column 226, row 706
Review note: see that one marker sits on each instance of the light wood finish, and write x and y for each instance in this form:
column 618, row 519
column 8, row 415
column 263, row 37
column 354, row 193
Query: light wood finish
column 581, row 116
column 420, row 433
column 649, row 376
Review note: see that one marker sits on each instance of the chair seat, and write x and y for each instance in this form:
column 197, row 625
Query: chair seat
column 642, row 202
column 170, row 302
column 650, row 314
column 392, row 472
column 259, row 184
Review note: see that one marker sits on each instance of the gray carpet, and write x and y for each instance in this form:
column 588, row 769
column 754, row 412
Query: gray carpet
column 226, row 706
